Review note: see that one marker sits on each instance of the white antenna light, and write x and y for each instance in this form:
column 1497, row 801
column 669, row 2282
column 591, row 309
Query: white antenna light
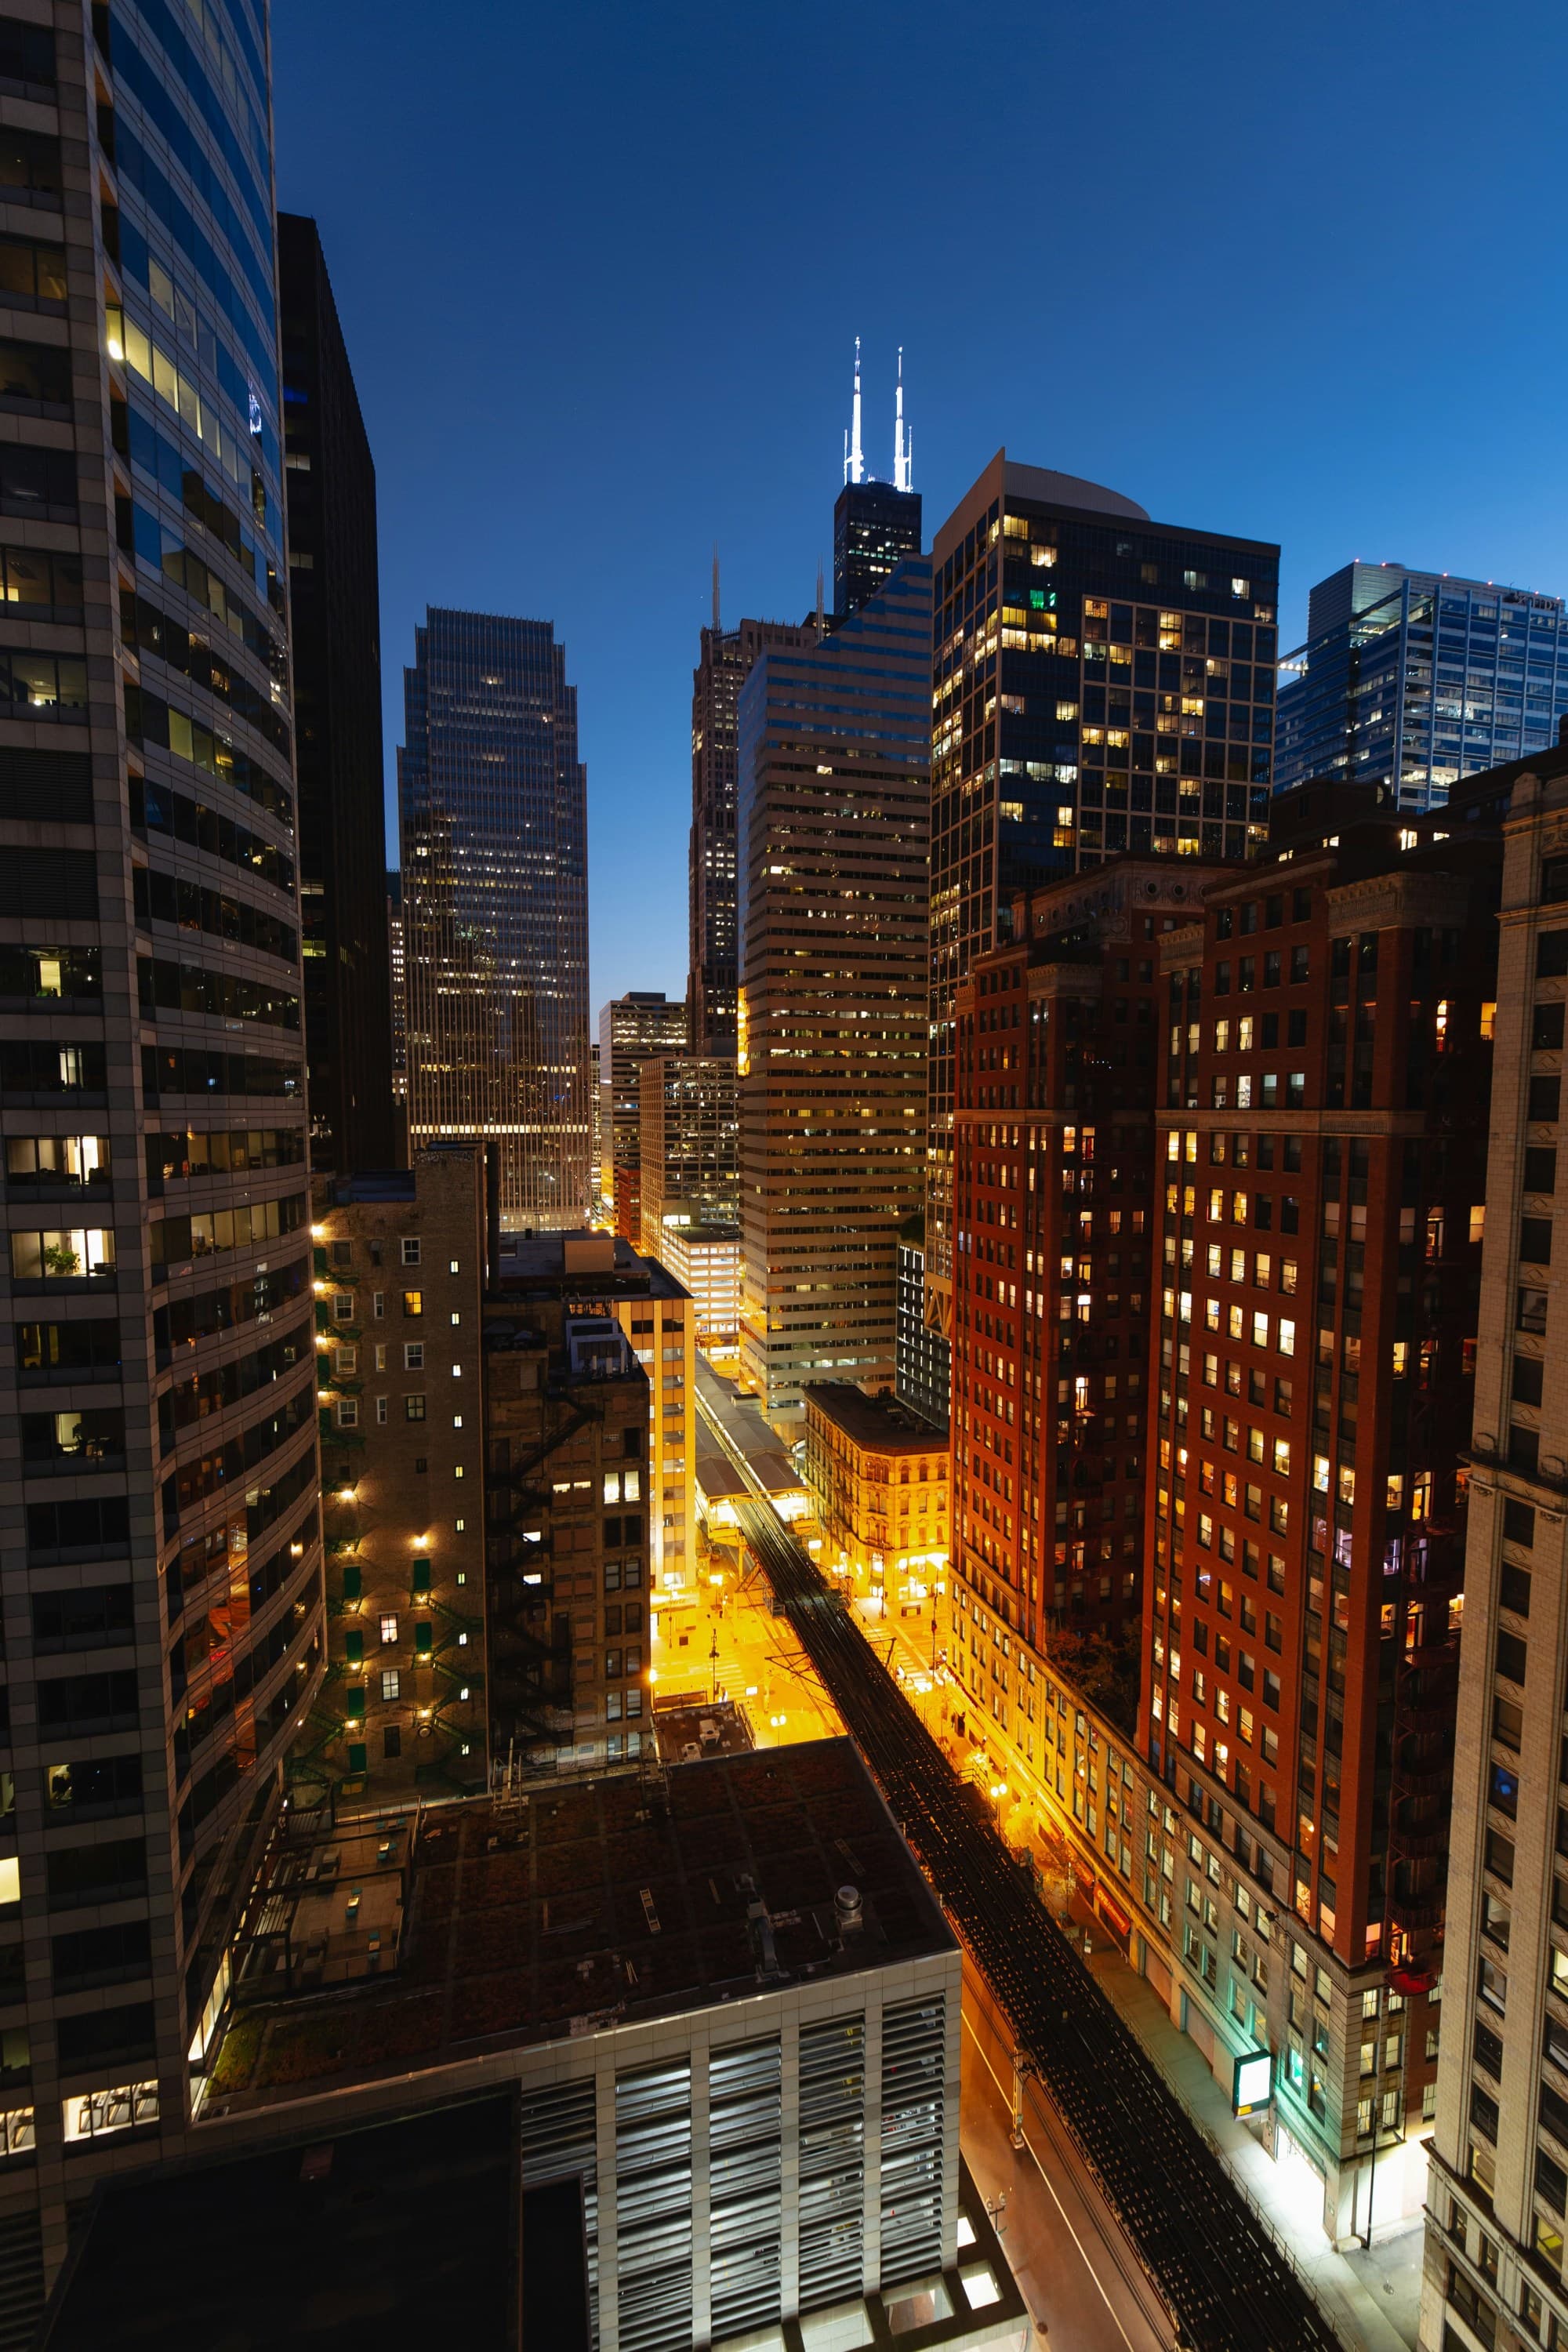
column 855, row 464
column 903, row 446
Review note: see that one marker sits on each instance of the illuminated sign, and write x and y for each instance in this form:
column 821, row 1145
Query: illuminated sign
column 1252, row 2084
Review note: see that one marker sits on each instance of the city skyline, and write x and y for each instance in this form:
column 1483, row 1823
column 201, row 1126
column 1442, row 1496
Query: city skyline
column 1296, row 407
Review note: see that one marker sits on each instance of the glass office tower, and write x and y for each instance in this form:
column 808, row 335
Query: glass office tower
column 335, row 608
column 1420, row 680
column 493, row 801
column 1100, row 683
column 160, row 1554
column 875, row 526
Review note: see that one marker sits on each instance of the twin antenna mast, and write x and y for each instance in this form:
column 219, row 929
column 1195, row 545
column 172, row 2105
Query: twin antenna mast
column 903, row 440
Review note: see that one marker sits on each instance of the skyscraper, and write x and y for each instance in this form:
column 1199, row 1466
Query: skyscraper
column 335, row 609
column 1419, row 680
column 834, row 797
column 494, row 906
column 631, row 1027
column 160, row 1553
column 875, row 524
column 727, row 656
column 1100, row 682
column 1498, row 2182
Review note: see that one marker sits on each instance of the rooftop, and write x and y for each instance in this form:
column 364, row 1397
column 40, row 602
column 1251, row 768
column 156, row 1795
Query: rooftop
column 602, row 1264
column 605, row 1903
column 884, row 1421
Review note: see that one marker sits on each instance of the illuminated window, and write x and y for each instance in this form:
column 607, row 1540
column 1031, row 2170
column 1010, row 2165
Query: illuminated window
column 388, row 1629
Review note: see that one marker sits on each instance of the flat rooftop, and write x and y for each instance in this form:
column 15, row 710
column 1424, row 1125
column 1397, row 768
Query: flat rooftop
column 603, row 1902
column 882, row 1422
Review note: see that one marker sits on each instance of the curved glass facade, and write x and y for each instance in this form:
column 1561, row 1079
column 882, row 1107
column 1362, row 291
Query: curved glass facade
column 161, row 1350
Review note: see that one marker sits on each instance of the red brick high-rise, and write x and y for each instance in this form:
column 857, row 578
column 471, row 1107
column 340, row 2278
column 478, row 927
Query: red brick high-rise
column 1059, row 1062
column 1322, row 1183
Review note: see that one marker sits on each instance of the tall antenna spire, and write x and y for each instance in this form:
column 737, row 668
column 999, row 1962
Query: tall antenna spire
column 854, row 462
column 903, row 451
column 716, row 622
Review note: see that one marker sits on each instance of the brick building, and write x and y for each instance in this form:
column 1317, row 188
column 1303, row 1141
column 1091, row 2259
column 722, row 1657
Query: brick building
column 399, row 1276
column 590, row 1398
column 1323, row 1143
column 878, row 1474
column 1056, row 1076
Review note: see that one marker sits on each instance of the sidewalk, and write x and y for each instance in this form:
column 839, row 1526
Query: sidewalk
column 1372, row 2299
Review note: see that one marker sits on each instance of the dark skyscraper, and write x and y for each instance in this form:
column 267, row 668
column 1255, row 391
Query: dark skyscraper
column 1099, row 683
column 336, row 617
column 875, row 526
column 493, row 802
column 716, row 683
column 160, row 1550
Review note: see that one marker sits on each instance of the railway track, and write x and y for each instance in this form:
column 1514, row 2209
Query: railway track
column 1226, row 2282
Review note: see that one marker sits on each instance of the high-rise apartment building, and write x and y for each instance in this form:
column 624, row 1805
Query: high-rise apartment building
column 1419, row 680
column 1059, row 1063
column 400, row 1271
column 335, row 612
column 493, row 802
column 1099, row 683
column 1498, row 2182
column 727, row 655
column 834, row 797
column 160, row 1547
column 1321, row 1191
column 631, row 1027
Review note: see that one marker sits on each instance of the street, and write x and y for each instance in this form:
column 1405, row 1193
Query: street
column 1078, row 2274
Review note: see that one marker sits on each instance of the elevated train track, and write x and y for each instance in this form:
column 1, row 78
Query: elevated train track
column 1226, row 2282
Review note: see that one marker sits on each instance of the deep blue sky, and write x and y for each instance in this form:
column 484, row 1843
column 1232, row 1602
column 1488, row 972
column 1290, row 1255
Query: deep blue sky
column 1296, row 273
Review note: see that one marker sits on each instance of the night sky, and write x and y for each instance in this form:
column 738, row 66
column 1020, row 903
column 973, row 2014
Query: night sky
column 1293, row 273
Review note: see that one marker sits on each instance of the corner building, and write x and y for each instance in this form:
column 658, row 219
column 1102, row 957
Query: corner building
column 1099, row 683
column 1499, row 2191
column 833, row 804
column 160, row 1550
column 1322, row 1152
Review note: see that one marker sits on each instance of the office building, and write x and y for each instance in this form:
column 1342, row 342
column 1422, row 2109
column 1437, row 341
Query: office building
column 399, row 1016
column 689, row 1143
column 631, row 1027
column 1060, row 1032
column 1100, row 683
column 1320, row 1196
column 834, row 757
column 1419, row 680
column 590, row 1402
column 160, row 1551
column 726, row 658
column 923, row 1360
column 493, row 803
column 878, row 1475
column 1498, row 2182
column 335, row 615
column 706, row 1261
column 731, row 2105
column 690, row 1186
column 399, row 1276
